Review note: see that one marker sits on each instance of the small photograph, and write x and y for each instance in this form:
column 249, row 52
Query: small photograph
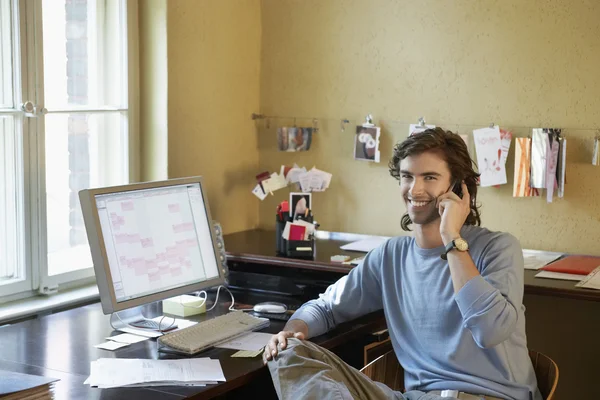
column 294, row 139
column 366, row 143
column 300, row 203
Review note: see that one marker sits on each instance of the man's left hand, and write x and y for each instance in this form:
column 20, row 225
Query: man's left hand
column 454, row 212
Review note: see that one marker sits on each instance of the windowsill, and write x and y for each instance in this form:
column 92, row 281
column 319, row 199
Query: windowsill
column 32, row 306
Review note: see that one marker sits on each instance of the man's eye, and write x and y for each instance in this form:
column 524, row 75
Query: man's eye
column 430, row 178
column 406, row 176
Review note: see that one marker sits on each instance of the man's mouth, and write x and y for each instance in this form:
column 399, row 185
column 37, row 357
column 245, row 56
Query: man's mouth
column 419, row 203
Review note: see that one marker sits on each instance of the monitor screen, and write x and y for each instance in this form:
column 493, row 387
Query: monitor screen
column 150, row 241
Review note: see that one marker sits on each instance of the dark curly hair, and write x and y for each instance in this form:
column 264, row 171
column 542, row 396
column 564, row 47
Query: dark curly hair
column 454, row 151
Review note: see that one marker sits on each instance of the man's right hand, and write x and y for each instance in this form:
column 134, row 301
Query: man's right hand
column 280, row 339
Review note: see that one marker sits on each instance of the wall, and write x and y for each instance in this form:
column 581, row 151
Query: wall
column 458, row 63
column 213, row 51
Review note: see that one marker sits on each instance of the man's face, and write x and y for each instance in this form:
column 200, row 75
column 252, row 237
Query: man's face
column 423, row 178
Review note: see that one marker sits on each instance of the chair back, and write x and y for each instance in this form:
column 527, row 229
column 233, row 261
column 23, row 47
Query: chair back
column 387, row 370
column 546, row 372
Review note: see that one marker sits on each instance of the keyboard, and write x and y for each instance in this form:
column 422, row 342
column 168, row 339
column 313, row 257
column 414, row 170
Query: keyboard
column 209, row 333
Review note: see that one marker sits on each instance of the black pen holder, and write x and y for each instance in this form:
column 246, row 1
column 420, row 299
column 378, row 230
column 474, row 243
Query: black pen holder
column 280, row 242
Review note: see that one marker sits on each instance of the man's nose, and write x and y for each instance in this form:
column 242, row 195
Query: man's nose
column 416, row 187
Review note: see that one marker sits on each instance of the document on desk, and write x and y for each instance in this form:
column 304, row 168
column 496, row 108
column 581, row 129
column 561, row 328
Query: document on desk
column 559, row 275
column 365, row 245
column 591, row 281
column 119, row 372
column 127, row 338
column 253, row 341
column 536, row 259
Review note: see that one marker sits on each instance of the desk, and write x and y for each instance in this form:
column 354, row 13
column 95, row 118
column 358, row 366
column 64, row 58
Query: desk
column 258, row 247
column 563, row 321
column 61, row 346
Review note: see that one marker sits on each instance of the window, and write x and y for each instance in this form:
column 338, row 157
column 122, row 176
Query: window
column 65, row 125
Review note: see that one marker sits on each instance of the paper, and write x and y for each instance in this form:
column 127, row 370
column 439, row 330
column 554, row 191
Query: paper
column 275, row 182
column 366, row 143
column 247, row 353
column 562, row 165
column 522, row 176
column 365, row 245
column 536, row 259
column 591, row 280
column 293, row 175
column 488, row 148
column 111, row 372
column 539, row 150
column 551, row 164
column 258, row 192
column 297, row 232
column 415, row 128
column 110, row 345
column 314, row 180
column 294, row 139
column 559, row 275
column 309, row 229
column 253, row 341
column 596, row 152
column 127, row 338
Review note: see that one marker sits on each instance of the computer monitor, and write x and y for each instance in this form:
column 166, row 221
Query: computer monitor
column 150, row 241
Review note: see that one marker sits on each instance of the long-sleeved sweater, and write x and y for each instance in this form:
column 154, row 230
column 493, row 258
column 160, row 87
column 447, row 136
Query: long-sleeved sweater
column 473, row 341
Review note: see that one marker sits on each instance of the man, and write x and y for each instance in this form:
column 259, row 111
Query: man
column 451, row 295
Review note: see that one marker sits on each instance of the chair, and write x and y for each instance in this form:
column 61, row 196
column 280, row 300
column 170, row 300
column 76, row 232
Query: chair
column 387, row 370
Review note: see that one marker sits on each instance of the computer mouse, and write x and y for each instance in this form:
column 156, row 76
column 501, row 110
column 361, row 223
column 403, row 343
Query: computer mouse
column 270, row 307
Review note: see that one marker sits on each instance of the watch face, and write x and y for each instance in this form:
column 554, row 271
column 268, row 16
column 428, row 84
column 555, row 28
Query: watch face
column 461, row 244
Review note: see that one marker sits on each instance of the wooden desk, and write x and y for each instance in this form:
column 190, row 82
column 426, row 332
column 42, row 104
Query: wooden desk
column 258, row 247
column 61, row 346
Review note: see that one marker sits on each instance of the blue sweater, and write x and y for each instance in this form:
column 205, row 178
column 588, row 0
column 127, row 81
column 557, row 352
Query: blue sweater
column 473, row 341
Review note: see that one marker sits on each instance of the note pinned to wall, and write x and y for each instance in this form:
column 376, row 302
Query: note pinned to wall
column 488, row 147
column 294, row 138
column 539, row 151
column 366, row 143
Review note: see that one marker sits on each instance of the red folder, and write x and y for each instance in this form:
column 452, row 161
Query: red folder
column 579, row 265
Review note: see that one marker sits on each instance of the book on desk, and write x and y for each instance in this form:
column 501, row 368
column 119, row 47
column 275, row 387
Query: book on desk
column 15, row 385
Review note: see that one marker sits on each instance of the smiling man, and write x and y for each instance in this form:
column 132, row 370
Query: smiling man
column 452, row 296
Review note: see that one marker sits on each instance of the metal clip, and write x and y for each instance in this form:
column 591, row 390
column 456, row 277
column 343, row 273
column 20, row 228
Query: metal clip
column 421, row 122
column 343, row 123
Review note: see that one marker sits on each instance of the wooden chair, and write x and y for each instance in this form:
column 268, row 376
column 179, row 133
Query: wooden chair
column 387, row 370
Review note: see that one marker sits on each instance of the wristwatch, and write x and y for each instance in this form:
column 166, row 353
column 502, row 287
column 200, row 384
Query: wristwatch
column 459, row 244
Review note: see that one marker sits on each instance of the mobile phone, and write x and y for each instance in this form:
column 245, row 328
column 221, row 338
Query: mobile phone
column 457, row 188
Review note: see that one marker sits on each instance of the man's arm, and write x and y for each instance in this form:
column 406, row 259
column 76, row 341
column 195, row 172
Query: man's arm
column 489, row 301
column 353, row 295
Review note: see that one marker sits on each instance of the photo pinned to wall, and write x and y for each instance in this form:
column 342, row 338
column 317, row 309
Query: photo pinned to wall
column 366, row 143
column 294, row 138
column 300, row 203
column 488, row 147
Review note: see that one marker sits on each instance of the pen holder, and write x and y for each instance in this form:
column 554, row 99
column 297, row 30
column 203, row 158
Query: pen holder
column 280, row 242
column 300, row 248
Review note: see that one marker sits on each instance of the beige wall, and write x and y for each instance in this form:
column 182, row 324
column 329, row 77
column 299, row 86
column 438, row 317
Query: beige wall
column 213, row 51
column 461, row 64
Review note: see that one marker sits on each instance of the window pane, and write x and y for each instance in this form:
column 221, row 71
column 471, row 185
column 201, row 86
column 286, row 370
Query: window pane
column 84, row 48
column 6, row 78
column 11, row 217
column 82, row 151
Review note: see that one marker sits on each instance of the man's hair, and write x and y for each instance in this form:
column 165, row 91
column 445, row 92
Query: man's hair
column 453, row 150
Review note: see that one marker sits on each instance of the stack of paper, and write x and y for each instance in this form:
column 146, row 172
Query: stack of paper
column 536, row 259
column 119, row 372
column 314, row 180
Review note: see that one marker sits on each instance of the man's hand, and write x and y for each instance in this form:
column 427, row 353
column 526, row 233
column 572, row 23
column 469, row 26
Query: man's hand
column 281, row 338
column 454, row 212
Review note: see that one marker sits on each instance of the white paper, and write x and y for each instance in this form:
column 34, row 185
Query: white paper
column 109, row 372
column 258, row 192
column 488, row 147
column 563, row 168
column 127, row 338
column 365, row 245
column 110, row 345
column 253, row 341
column 559, row 275
column 536, row 259
column 539, row 148
column 591, row 280
column 314, row 180
column 275, row 182
column 414, row 128
column 294, row 174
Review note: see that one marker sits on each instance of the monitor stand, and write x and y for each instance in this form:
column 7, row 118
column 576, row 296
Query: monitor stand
column 141, row 317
